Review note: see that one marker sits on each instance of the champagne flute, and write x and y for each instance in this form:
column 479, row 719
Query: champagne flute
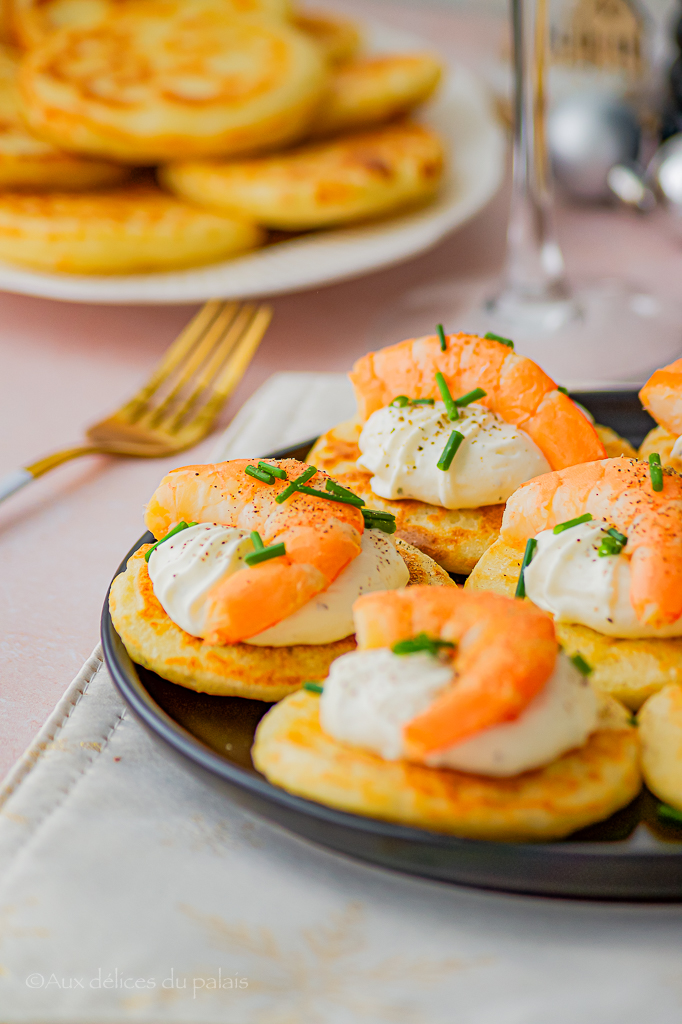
column 599, row 334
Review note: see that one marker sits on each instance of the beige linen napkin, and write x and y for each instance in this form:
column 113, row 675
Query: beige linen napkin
column 132, row 891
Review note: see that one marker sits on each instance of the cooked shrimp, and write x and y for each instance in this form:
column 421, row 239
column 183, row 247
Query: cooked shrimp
column 321, row 537
column 662, row 397
column 619, row 491
column 505, row 652
column 516, row 389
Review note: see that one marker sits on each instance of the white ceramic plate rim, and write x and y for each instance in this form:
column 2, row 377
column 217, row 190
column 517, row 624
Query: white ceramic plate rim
column 464, row 116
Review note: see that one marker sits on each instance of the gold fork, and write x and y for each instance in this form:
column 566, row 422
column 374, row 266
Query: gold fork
column 178, row 405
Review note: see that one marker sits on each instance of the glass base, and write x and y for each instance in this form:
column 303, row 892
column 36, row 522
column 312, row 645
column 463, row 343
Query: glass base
column 609, row 335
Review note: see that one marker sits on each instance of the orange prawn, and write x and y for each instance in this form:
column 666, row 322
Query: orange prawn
column 662, row 397
column 516, row 389
column 321, row 538
column 621, row 492
column 505, row 652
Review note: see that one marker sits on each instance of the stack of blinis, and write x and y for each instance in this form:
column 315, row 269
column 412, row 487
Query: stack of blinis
column 142, row 135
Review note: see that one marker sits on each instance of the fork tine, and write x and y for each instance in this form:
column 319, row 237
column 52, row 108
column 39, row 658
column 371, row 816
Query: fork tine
column 194, row 361
column 233, row 371
column 212, row 367
column 183, row 344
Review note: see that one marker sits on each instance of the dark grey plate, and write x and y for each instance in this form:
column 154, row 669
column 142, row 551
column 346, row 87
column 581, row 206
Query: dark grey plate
column 632, row 856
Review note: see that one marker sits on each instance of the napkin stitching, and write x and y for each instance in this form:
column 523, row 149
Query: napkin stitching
column 54, row 725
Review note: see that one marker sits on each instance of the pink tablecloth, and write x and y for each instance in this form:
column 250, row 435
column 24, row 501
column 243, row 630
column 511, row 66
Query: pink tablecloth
column 64, row 365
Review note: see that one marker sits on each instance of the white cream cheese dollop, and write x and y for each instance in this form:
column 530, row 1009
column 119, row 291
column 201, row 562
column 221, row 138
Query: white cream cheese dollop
column 401, row 446
column 569, row 579
column 185, row 568
column 370, row 695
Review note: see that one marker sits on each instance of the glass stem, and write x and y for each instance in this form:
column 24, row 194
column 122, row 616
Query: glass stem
column 535, row 267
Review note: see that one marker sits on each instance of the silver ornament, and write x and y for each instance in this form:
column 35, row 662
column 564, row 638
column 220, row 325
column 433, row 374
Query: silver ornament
column 587, row 134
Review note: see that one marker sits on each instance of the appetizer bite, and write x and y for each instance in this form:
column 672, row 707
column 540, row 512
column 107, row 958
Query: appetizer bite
column 661, row 396
column 457, row 713
column 660, row 734
column 448, row 427
column 599, row 546
column 249, row 589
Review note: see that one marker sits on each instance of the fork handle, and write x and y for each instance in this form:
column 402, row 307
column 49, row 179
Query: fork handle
column 18, row 478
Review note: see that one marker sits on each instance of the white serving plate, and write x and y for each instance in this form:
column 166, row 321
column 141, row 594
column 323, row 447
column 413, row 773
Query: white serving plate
column 462, row 113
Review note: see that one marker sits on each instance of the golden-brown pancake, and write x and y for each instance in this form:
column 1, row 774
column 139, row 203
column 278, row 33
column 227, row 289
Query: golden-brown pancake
column 373, row 90
column 660, row 440
column 582, row 787
column 338, row 38
column 33, row 20
column 615, row 444
column 630, row 670
column 131, row 229
column 28, row 162
column 168, row 78
column 660, row 734
column 322, row 184
column 455, row 538
column 231, row 670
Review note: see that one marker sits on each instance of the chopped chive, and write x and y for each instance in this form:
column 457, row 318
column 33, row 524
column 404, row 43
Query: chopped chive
column 400, row 401
column 379, row 520
column 498, row 337
column 422, row 401
column 560, row 527
column 293, row 486
column 313, row 687
column 259, row 474
column 176, row 529
column 331, row 485
column 612, row 544
column 531, row 545
column 668, row 813
column 583, row 667
column 655, row 471
column 441, row 337
column 274, row 470
column 563, row 390
column 421, row 642
column 264, row 555
column 450, row 450
column 471, row 396
column 447, row 397
column 256, row 541
column 331, row 496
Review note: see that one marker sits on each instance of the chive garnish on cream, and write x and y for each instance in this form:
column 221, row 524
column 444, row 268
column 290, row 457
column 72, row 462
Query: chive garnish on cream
column 375, row 520
column 343, row 499
column 450, row 404
column 171, row 533
column 441, row 337
column 400, row 401
column 450, row 450
column 421, row 642
column 560, row 527
column 531, row 545
column 273, row 470
column 260, row 474
column 294, row 485
column 331, row 485
column 655, row 472
column 264, row 554
column 471, row 396
column 498, row 337
column 313, row 687
column 612, row 544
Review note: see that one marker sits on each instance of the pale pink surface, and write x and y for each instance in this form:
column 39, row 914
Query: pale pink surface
column 64, row 365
